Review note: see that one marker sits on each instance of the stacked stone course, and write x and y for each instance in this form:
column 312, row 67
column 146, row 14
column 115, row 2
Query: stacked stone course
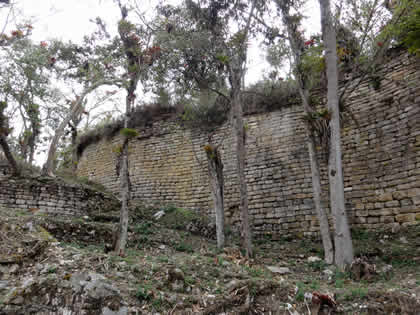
column 53, row 197
column 381, row 160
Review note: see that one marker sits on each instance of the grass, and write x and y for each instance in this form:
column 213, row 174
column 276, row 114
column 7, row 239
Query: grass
column 318, row 265
column 144, row 292
column 254, row 272
column 183, row 247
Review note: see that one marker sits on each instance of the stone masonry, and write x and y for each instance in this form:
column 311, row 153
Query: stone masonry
column 53, row 197
column 381, row 160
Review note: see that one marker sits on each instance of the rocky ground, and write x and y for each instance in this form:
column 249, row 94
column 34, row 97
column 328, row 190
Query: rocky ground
column 59, row 266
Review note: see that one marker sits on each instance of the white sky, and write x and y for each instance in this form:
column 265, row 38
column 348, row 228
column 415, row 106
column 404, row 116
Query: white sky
column 70, row 20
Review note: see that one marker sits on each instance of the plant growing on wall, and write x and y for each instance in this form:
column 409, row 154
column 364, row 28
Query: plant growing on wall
column 210, row 48
column 342, row 238
column 303, row 61
column 139, row 54
column 215, row 168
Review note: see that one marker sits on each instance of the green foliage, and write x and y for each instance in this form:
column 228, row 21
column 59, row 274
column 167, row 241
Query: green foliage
column 129, row 133
column 223, row 59
column 410, row 29
column 340, row 278
column 206, row 111
column 52, row 269
column 144, row 228
column 375, row 82
column 356, row 293
column 184, row 247
column 144, row 292
column 312, row 65
column 318, row 265
column 300, row 294
column 361, row 234
column 179, row 218
column 322, row 113
column 141, row 116
column 254, row 272
column 268, row 95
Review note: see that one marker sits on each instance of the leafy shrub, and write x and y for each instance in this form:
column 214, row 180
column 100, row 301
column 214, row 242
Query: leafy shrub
column 207, row 112
column 267, row 95
column 410, row 28
column 141, row 116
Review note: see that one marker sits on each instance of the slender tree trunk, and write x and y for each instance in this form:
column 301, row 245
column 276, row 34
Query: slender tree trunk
column 9, row 156
column 236, row 77
column 74, row 155
column 122, row 232
column 134, row 68
column 342, row 237
column 4, row 131
column 215, row 167
column 48, row 168
column 320, row 210
column 296, row 44
column 239, row 130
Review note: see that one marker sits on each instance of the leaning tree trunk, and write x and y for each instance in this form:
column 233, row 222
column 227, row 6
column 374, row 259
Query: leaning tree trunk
column 9, row 156
column 342, row 237
column 4, row 131
column 324, row 226
column 215, row 167
column 47, row 169
column 297, row 46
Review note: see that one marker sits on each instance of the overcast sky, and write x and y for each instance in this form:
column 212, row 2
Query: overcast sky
column 70, row 20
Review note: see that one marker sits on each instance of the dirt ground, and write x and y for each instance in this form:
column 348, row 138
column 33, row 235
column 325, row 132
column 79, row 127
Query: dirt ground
column 168, row 269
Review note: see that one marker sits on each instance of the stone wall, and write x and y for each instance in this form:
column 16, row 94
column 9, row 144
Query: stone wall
column 53, row 197
column 381, row 160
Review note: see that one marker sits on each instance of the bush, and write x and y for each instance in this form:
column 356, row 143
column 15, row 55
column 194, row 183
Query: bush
column 267, row 95
column 207, row 113
column 142, row 116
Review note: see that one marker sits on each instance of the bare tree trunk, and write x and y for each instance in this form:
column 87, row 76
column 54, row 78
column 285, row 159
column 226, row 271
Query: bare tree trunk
column 9, row 156
column 296, row 44
column 134, row 68
column 4, row 131
column 320, row 210
column 48, row 168
column 74, row 155
column 215, row 166
column 342, row 237
column 122, row 232
column 239, row 131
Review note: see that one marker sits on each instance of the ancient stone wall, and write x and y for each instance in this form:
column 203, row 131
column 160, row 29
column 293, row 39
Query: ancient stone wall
column 53, row 197
column 381, row 160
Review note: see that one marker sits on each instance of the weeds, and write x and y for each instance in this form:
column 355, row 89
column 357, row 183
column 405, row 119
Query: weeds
column 318, row 265
column 184, row 247
column 144, row 292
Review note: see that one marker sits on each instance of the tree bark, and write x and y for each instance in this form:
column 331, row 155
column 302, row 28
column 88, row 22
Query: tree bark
column 324, row 226
column 342, row 237
column 215, row 167
column 296, row 44
column 236, row 77
column 133, row 62
column 9, row 156
column 4, row 131
column 239, row 132
column 122, row 232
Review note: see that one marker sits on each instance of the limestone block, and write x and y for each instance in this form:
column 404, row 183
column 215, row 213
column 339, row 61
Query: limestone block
column 385, row 197
column 409, row 217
